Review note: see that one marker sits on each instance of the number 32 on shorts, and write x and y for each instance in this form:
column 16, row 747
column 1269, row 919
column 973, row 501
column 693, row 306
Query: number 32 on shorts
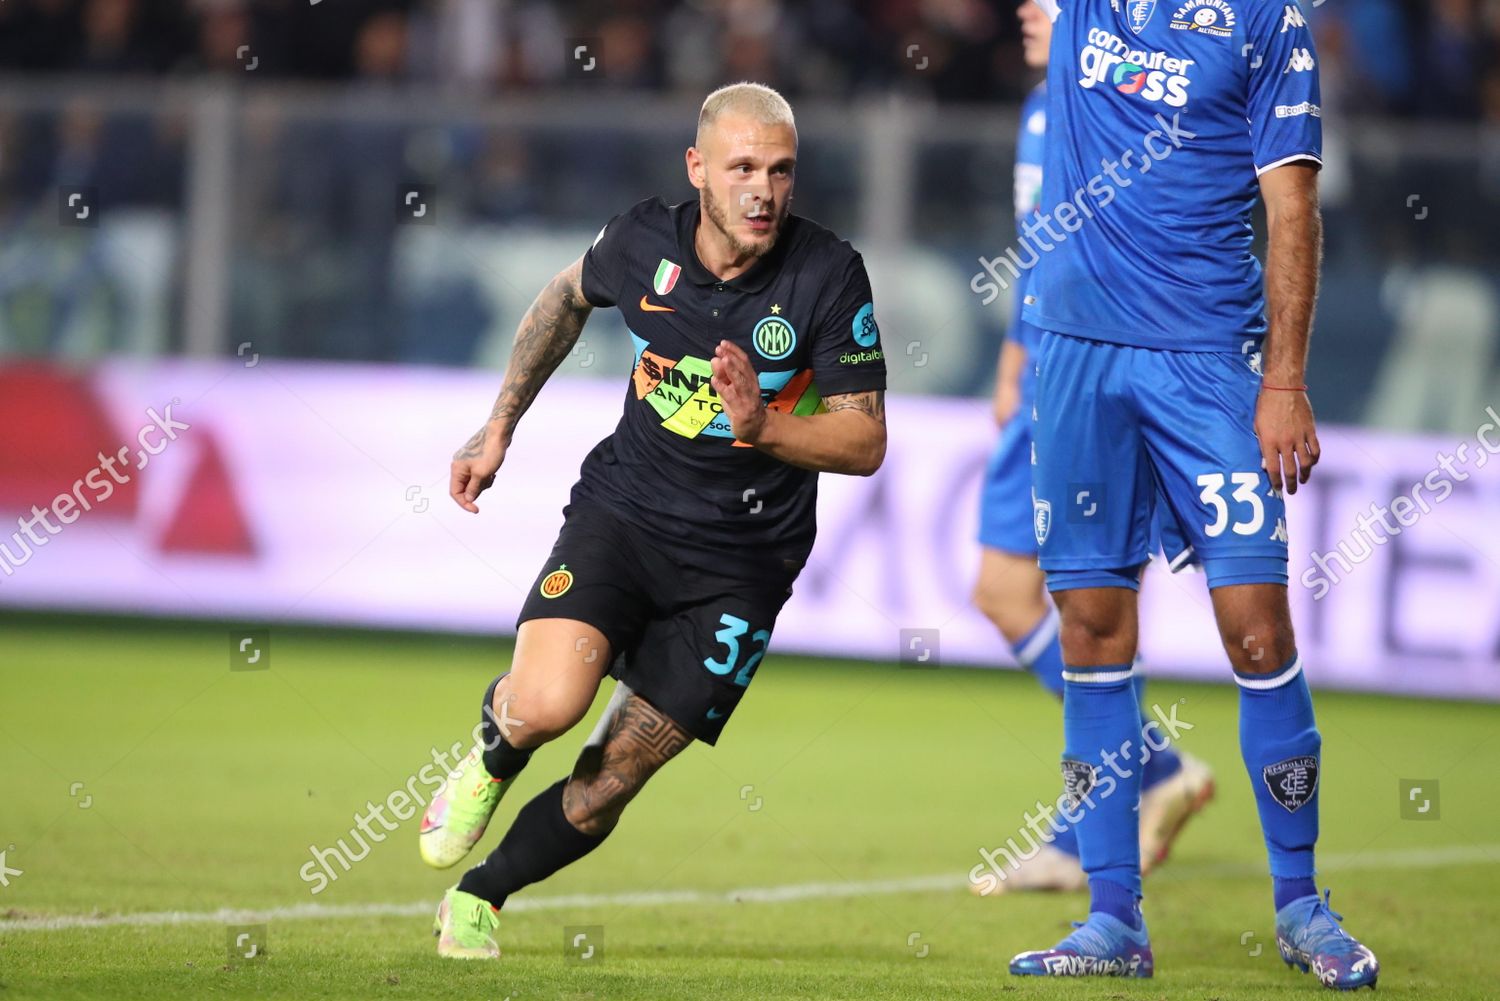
column 734, row 628
column 1246, row 491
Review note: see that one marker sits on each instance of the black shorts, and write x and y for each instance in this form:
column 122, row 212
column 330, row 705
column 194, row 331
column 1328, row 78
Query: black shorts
column 687, row 627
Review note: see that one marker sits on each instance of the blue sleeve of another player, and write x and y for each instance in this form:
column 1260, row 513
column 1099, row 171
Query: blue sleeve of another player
column 1284, row 101
column 1030, row 153
column 1019, row 330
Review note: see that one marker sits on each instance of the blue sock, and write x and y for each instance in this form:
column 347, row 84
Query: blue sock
column 1066, row 840
column 1102, row 736
column 1281, row 746
column 1162, row 764
column 1040, row 652
column 1111, row 898
column 1288, row 890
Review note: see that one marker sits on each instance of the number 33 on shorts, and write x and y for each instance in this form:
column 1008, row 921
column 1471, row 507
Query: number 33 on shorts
column 1236, row 502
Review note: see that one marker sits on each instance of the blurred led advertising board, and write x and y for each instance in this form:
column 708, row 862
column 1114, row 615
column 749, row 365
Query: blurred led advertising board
column 312, row 493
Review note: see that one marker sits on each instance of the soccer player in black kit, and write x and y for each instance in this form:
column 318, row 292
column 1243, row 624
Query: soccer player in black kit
column 757, row 366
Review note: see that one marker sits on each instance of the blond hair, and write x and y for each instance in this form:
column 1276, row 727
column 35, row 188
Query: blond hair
column 756, row 100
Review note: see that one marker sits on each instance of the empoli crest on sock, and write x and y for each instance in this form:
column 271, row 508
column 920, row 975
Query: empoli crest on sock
column 1292, row 782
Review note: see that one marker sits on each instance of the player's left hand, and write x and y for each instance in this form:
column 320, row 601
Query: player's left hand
column 735, row 381
column 1288, row 435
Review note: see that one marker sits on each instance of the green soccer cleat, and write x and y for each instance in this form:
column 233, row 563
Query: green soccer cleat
column 465, row 927
column 457, row 816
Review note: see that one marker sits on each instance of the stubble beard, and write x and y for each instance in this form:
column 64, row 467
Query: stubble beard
column 714, row 210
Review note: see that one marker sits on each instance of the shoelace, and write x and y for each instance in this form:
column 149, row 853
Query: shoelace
column 1087, row 941
column 466, row 805
column 482, row 923
column 1323, row 926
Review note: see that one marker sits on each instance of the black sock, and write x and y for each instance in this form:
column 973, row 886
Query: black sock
column 500, row 759
column 539, row 842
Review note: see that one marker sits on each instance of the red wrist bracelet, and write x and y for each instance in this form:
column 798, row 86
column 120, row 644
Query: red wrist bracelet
column 1285, row 389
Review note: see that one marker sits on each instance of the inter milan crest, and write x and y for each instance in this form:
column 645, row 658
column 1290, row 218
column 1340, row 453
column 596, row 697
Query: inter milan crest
column 1078, row 780
column 774, row 338
column 1138, row 13
column 1292, row 782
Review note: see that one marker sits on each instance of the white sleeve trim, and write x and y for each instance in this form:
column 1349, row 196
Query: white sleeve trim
column 1289, row 159
column 1051, row 7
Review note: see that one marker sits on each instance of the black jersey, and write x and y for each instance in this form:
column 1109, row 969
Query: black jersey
column 803, row 314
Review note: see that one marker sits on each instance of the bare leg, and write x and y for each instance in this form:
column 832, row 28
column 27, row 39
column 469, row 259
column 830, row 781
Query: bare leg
column 554, row 676
column 1011, row 592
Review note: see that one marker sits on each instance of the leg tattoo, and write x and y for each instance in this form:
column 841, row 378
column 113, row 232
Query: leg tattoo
column 641, row 739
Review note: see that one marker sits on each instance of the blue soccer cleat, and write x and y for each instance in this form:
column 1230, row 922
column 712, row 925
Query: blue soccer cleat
column 1102, row 946
column 1309, row 937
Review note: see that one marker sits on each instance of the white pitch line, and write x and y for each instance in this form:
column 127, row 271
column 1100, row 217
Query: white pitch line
column 1418, row 858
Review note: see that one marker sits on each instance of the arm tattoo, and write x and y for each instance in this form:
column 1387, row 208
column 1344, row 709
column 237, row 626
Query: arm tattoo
column 475, row 444
column 547, row 333
column 871, row 403
column 640, row 741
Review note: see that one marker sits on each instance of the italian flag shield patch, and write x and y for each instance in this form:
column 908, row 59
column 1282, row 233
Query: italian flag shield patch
column 666, row 277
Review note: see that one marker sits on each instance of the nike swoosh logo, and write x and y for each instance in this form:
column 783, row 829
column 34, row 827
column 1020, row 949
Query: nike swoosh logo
column 653, row 308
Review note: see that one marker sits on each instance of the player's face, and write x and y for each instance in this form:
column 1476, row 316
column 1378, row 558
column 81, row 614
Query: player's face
column 1036, row 34
column 746, row 169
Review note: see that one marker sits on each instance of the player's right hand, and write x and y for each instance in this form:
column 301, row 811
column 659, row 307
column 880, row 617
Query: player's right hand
column 1288, row 435
column 474, row 468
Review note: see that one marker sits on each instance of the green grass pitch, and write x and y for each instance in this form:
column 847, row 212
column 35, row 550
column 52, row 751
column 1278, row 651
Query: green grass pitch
column 141, row 776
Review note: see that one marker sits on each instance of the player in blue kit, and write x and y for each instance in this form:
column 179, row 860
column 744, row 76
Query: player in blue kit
column 1011, row 588
column 1172, row 366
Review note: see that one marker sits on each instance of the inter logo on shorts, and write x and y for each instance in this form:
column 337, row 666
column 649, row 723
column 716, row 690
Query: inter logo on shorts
column 667, row 274
column 556, row 583
column 1292, row 782
column 774, row 338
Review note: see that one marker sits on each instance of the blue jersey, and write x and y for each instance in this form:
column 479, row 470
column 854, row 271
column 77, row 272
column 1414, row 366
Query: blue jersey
column 1163, row 115
column 1031, row 144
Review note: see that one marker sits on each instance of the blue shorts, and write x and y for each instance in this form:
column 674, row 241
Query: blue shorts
column 1005, row 500
column 1128, row 437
